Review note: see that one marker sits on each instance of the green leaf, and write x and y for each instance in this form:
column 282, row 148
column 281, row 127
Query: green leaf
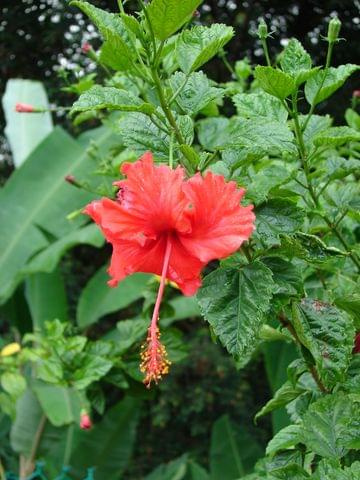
column 336, row 136
column 28, row 204
column 197, row 93
column 307, row 247
column 29, row 418
column 286, row 394
column 98, row 299
column 325, row 82
column 13, row 383
column 275, row 82
column 233, row 451
column 212, row 132
column 351, row 304
column 287, row 437
column 25, row 131
column 109, row 444
column 260, row 105
column 266, row 179
column 46, row 298
column 328, row 425
column 47, row 259
column 269, row 137
column 328, row 334
column 61, row 405
column 331, row 470
column 286, row 275
column 235, row 302
column 199, row 44
column 314, row 127
column 167, row 16
column 140, row 134
column 297, row 62
column 130, row 331
column 99, row 98
column 174, row 470
column 117, row 51
column 277, row 216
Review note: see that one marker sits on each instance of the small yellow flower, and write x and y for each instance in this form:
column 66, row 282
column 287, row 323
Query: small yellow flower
column 10, row 349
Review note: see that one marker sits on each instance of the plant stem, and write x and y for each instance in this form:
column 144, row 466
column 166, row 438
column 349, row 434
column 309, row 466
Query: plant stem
column 180, row 89
column 266, row 51
column 327, row 65
column 121, row 6
column 68, row 445
column 285, row 323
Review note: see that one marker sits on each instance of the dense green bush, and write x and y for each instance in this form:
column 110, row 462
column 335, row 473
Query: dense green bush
column 289, row 296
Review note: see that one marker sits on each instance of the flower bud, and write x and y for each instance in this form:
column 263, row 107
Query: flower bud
column 86, row 47
column 356, row 93
column 85, row 420
column 333, row 30
column 262, row 30
column 24, row 108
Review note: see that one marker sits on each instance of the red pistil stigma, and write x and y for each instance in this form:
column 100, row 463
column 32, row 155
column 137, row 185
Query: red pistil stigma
column 154, row 358
column 24, row 108
column 85, row 421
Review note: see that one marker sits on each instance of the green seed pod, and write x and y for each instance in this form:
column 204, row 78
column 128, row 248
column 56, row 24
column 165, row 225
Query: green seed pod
column 262, row 30
column 333, row 30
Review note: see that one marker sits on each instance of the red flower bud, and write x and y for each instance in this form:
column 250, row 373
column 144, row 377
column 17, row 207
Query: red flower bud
column 70, row 179
column 356, row 93
column 24, row 108
column 85, row 421
column 357, row 343
column 86, row 47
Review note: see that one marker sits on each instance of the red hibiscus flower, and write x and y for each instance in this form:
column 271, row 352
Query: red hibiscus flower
column 162, row 223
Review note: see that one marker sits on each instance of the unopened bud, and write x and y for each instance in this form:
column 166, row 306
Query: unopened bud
column 24, row 108
column 86, row 47
column 85, row 421
column 196, row 13
column 333, row 30
column 356, row 93
column 72, row 180
column 262, row 30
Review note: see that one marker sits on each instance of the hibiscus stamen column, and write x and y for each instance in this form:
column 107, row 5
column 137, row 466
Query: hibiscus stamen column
column 154, row 361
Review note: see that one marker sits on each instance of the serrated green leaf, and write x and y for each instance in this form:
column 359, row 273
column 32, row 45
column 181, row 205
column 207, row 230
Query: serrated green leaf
column 129, row 332
column 260, row 105
column 13, row 383
column 117, row 51
column 352, row 118
column 275, row 82
column 286, row 275
column 266, row 179
column 328, row 425
column 308, row 247
column 328, row 334
column 99, row 98
column 286, row 438
column 197, row 93
column 212, row 132
column 336, row 136
column 297, row 62
column 199, row 44
column 331, row 470
column 234, row 302
column 140, row 134
column 325, row 82
column 277, row 216
column 286, row 394
column 167, row 16
column 270, row 137
column 174, row 470
column 315, row 126
column 351, row 304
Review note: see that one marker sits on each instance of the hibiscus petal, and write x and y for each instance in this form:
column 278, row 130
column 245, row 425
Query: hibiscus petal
column 219, row 223
column 130, row 257
column 154, row 194
column 116, row 223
